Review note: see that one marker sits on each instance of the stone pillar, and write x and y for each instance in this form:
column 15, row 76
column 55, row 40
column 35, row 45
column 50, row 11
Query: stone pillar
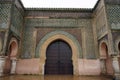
column 2, row 64
column 13, row 67
column 116, row 67
column 103, row 67
column 43, row 66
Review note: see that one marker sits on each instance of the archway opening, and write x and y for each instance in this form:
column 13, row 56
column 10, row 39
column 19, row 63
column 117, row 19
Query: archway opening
column 119, row 53
column 13, row 49
column 106, row 60
column 12, row 52
column 104, row 50
column 58, row 58
column 0, row 45
column 119, row 47
column 69, row 39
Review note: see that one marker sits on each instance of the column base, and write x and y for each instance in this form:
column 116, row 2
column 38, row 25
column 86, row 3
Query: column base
column 13, row 67
column 117, row 77
column 2, row 63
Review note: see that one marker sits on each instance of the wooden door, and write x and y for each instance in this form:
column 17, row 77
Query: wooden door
column 59, row 58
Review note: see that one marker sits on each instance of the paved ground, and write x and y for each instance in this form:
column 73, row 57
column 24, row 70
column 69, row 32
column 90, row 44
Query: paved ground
column 53, row 77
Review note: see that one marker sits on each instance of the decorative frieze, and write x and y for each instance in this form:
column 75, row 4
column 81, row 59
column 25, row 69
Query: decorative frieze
column 38, row 22
column 59, row 13
column 115, row 25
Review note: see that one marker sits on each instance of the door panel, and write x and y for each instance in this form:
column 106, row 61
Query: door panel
column 59, row 60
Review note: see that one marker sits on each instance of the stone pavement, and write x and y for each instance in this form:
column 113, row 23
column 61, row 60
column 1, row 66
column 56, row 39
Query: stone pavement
column 54, row 77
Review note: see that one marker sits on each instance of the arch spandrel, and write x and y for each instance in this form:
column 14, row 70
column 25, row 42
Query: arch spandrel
column 57, row 34
column 71, row 40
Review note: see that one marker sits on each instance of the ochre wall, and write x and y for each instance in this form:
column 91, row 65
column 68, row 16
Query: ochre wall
column 28, row 66
column 32, row 66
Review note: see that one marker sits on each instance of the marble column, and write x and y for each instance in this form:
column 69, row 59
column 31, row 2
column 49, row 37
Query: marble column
column 13, row 67
column 2, row 64
column 43, row 66
column 116, row 67
column 103, row 67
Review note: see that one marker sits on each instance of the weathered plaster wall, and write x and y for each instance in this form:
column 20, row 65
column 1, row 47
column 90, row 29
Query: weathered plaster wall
column 28, row 66
column 89, row 67
column 32, row 66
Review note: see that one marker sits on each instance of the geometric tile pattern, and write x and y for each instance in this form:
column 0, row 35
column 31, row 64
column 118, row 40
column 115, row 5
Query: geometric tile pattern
column 17, row 21
column 113, row 12
column 4, row 12
column 31, row 23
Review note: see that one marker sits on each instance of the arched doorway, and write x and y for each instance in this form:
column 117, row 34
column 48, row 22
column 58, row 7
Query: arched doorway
column 59, row 58
column 119, row 53
column 11, row 55
column 106, row 60
column 119, row 47
column 13, row 49
column 0, row 45
column 59, row 35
